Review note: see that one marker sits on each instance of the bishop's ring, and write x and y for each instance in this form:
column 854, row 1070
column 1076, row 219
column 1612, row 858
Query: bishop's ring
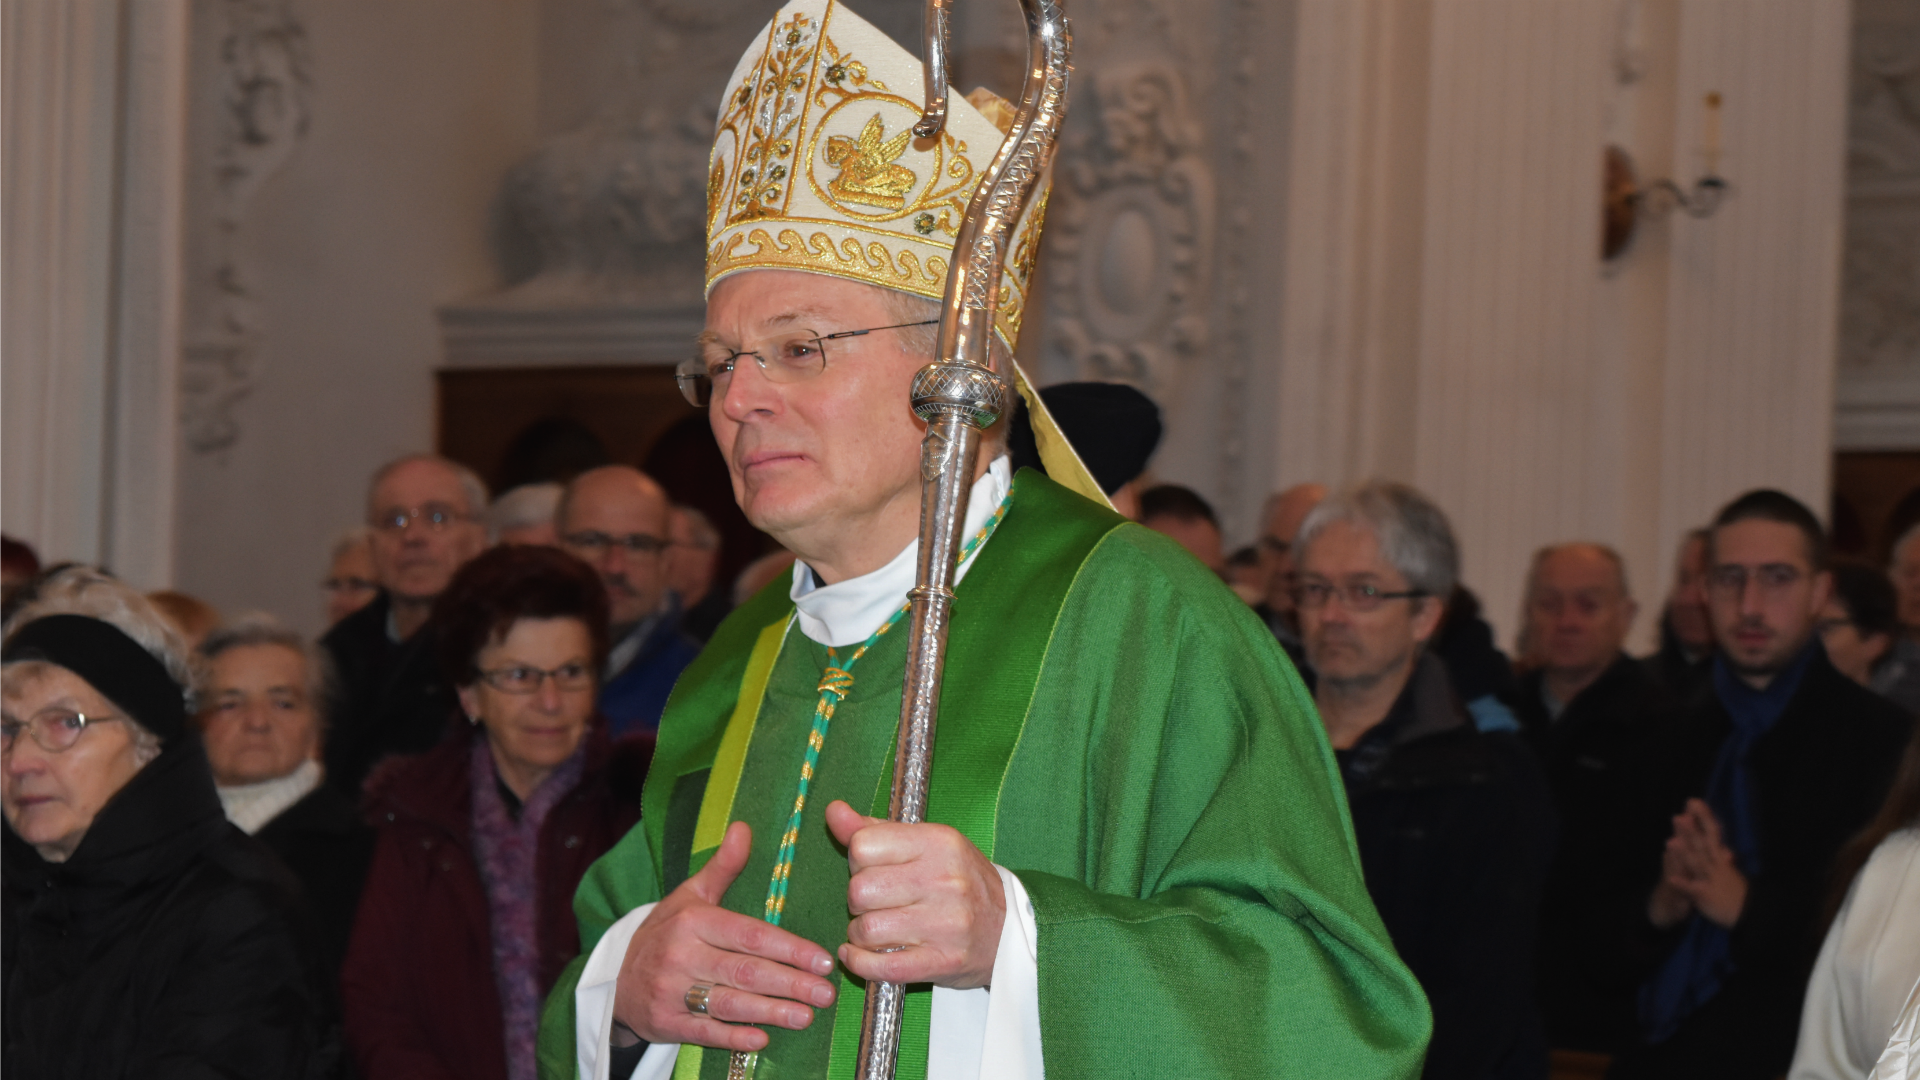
column 696, row 998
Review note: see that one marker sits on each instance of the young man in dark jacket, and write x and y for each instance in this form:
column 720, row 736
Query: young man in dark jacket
column 1773, row 766
column 1455, row 825
column 1589, row 711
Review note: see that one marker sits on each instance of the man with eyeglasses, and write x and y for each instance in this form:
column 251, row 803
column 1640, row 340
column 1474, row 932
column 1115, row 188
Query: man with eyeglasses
column 1773, row 766
column 424, row 520
column 1455, row 825
column 1134, row 859
column 1592, row 713
column 615, row 519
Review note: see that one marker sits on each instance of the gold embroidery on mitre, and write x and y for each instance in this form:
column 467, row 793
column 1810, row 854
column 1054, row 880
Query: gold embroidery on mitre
column 776, row 96
column 815, row 94
column 873, row 262
column 869, row 174
column 716, row 182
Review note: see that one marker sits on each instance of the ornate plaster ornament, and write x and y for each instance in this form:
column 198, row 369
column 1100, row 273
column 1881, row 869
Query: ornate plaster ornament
column 1132, row 247
column 265, row 93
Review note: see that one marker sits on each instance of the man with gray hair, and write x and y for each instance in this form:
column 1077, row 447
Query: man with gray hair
column 525, row 515
column 1592, row 714
column 427, row 516
column 1454, row 824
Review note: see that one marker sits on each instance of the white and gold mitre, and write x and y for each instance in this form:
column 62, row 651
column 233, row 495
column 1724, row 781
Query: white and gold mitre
column 815, row 166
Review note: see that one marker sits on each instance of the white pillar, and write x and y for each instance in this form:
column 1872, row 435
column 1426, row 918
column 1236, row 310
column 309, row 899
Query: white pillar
column 1445, row 317
column 94, row 120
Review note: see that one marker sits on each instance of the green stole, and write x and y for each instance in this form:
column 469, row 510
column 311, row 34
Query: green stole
column 1004, row 614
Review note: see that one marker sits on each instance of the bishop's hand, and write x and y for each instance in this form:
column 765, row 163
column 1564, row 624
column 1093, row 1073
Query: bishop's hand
column 923, row 890
column 760, row 974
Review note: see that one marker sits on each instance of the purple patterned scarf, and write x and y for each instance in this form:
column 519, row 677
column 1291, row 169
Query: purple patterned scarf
column 508, row 851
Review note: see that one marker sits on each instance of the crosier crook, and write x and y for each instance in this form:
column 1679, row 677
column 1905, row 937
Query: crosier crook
column 959, row 396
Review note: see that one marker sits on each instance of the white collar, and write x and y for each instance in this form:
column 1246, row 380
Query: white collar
column 252, row 806
column 848, row 612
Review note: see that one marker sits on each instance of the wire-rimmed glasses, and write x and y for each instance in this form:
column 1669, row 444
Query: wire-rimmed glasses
column 794, row 358
column 591, row 544
column 1354, row 596
column 434, row 517
column 1729, row 580
column 53, row 730
column 526, row 679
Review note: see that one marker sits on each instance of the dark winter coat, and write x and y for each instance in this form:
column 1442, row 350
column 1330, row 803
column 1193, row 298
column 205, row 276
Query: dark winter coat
column 1456, row 832
column 1818, row 774
column 1599, row 761
column 634, row 697
column 391, row 699
column 169, row 945
column 418, row 987
column 1680, row 674
column 323, row 841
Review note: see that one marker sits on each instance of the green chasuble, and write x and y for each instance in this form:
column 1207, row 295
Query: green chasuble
column 1118, row 730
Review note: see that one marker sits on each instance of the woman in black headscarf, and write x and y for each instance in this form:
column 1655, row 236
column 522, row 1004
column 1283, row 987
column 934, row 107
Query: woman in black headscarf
column 143, row 934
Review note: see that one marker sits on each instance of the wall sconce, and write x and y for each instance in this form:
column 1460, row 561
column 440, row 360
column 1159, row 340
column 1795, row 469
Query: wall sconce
column 1626, row 201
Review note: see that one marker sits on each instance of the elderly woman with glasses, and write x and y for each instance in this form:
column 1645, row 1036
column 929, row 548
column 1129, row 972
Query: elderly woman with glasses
column 143, row 934
column 467, row 917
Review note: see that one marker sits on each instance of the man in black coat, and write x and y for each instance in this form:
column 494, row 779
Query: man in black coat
column 1773, row 766
column 1590, row 711
column 1684, row 660
column 1454, row 824
column 425, row 513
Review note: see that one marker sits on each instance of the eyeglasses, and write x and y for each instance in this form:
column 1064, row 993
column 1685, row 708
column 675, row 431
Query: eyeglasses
column 597, row 543
column 796, row 358
column 54, row 731
column 434, row 517
column 1313, row 595
column 1730, row 582
column 521, row 679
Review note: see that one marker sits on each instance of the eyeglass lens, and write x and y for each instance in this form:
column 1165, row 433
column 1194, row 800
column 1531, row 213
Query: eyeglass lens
column 633, row 543
column 51, row 731
column 1313, row 595
column 1732, row 580
column 527, row 680
column 801, row 356
column 786, row 361
column 434, row 516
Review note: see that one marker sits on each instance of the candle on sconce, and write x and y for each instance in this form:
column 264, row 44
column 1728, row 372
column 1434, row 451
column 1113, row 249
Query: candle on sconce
column 1710, row 134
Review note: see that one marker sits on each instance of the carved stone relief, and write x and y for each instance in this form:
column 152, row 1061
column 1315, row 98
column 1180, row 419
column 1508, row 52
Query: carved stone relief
column 615, row 211
column 265, row 90
column 1881, row 320
column 1878, row 394
column 1132, row 230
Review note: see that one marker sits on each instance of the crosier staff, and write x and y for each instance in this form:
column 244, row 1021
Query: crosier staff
column 959, row 396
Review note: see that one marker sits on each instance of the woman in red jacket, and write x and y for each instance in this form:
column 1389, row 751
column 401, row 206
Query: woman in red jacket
column 467, row 917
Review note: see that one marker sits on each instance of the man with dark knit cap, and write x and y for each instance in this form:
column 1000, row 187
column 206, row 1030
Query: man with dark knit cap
column 1114, row 427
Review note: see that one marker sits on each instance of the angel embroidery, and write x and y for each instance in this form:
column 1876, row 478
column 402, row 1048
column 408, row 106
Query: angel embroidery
column 868, row 175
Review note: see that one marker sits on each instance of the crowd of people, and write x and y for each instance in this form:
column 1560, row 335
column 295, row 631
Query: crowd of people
column 1703, row 862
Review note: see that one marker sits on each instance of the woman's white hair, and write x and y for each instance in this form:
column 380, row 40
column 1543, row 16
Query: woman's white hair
column 89, row 591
